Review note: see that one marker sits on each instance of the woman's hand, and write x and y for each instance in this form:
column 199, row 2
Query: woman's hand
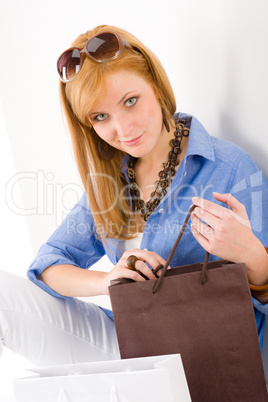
column 227, row 234
column 121, row 269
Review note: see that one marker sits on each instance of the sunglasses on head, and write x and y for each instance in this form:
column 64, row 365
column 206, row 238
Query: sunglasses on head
column 101, row 47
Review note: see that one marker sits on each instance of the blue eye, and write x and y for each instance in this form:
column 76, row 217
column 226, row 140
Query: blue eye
column 101, row 117
column 131, row 101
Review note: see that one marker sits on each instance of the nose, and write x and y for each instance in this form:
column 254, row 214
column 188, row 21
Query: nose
column 123, row 126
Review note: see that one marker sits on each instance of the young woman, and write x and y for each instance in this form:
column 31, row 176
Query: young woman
column 142, row 166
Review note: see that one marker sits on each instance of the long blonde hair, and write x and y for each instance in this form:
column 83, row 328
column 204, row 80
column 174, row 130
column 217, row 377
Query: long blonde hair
column 102, row 179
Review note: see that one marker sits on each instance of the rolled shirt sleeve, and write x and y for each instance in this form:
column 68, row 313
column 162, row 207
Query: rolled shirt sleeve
column 74, row 242
column 250, row 187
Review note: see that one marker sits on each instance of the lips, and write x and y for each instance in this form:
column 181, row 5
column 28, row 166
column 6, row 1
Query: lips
column 133, row 142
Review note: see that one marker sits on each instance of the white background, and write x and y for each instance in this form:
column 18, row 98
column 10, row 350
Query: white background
column 214, row 51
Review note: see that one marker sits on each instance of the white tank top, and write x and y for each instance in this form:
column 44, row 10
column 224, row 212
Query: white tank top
column 133, row 243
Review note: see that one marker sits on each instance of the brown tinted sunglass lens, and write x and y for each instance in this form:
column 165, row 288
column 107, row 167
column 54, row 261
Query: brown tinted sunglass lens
column 69, row 64
column 103, row 46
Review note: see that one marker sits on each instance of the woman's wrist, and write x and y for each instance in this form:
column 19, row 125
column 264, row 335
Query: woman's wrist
column 257, row 265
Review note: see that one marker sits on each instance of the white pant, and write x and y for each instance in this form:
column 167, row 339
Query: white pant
column 47, row 330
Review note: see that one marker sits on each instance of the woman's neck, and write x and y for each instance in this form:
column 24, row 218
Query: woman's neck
column 154, row 160
column 147, row 169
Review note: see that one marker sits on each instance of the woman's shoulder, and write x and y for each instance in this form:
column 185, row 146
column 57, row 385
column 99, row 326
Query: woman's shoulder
column 228, row 151
column 217, row 148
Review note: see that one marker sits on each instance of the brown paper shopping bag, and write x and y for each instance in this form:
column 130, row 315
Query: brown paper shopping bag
column 205, row 313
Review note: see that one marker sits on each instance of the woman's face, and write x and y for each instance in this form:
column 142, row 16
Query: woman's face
column 129, row 116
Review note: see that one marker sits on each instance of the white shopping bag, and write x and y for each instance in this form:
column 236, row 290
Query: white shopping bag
column 147, row 379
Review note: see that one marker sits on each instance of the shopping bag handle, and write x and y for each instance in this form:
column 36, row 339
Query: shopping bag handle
column 203, row 276
column 63, row 396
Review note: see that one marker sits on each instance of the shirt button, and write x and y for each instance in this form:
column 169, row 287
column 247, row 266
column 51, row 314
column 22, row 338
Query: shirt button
column 185, row 173
column 161, row 211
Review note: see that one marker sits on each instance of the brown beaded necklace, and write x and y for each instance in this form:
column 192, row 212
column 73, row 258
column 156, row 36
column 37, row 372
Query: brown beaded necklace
column 165, row 175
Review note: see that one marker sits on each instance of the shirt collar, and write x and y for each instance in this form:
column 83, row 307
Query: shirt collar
column 200, row 142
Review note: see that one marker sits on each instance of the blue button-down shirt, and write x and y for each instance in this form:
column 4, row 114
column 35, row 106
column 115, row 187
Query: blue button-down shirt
column 210, row 164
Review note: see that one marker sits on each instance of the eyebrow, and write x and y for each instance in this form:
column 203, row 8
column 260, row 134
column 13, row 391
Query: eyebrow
column 126, row 95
